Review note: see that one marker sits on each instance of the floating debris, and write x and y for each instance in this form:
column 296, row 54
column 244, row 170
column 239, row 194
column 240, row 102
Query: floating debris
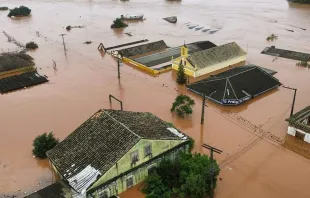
column 289, row 30
column 88, row 42
column 191, row 27
column 213, row 31
column 172, row 19
column 128, row 33
column 198, row 28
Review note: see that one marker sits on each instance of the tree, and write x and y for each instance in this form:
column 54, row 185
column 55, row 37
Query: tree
column 189, row 175
column 181, row 78
column 43, row 143
column 183, row 105
column 154, row 187
column 19, row 12
column 31, row 45
column 118, row 23
column 300, row 1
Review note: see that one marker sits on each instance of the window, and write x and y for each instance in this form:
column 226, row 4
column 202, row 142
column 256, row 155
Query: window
column 103, row 194
column 147, row 150
column 129, row 182
column 134, row 157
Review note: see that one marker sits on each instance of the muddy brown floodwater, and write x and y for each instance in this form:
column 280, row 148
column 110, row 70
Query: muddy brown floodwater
column 252, row 166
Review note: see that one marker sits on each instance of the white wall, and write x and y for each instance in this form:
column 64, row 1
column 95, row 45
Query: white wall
column 292, row 131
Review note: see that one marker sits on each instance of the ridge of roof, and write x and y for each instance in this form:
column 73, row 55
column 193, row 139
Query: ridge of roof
column 122, row 124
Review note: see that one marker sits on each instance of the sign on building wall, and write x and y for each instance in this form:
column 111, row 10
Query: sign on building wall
column 235, row 101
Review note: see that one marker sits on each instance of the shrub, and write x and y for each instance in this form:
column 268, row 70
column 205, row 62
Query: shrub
column 88, row 42
column 19, row 12
column 118, row 23
column 272, row 37
column 303, row 64
column 4, row 8
column 68, row 28
column 183, row 105
column 43, row 143
column 181, row 78
column 189, row 175
column 31, row 45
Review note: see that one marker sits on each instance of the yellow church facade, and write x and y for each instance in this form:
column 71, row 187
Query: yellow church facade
column 209, row 60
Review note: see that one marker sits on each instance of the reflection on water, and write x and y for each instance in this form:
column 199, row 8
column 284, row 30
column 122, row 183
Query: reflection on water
column 254, row 164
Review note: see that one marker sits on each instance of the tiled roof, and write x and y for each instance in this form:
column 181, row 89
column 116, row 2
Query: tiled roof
column 21, row 81
column 103, row 139
column 10, row 61
column 238, row 85
column 216, row 55
column 296, row 119
column 273, row 51
column 55, row 190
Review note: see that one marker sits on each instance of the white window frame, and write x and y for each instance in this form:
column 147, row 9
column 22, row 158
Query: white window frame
column 129, row 177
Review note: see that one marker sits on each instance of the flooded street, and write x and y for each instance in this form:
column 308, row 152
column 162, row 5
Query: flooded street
column 253, row 163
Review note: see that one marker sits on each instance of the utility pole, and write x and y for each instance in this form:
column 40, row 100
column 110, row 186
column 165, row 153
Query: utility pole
column 203, row 109
column 118, row 67
column 63, row 41
column 293, row 104
column 203, row 106
column 212, row 149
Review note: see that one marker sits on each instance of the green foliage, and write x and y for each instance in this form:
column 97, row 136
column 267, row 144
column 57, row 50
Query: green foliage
column 300, row 1
column 43, row 143
column 4, row 8
column 31, row 45
column 181, row 78
column 169, row 124
column 68, row 27
column 154, row 187
column 21, row 11
column 118, row 23
column 183, row 105
column 272, row 37
column 191, row 144
column 189, row 175
column 303, row 64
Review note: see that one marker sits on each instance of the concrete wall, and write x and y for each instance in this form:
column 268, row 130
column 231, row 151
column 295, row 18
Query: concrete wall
column 124, row 164
column 292, row 131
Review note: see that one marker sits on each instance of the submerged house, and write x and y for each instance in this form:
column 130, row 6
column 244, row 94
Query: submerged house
column 17, row 71
column 237, row 85
column 299, row 124
column 113, row 151
column 209, row 60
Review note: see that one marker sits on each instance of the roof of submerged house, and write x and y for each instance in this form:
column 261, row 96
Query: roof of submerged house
column 237, row 85
column 96, row 145
column 214, row 55
column 55, row 190
column 143, row 49
column 297, row 119
column 10, row 61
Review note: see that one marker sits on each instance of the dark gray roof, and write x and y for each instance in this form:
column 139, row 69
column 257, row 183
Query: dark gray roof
column 296, row 119
column 273, row 51
column 104, row 138
column 55, row 190
column 21, row 81
column 237, row 85
column 11, row 61
column 143, row 49
column 216, row 55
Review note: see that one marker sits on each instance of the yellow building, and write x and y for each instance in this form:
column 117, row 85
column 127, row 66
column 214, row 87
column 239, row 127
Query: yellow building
column 209, row 60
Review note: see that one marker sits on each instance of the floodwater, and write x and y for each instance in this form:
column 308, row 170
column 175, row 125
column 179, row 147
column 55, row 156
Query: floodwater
column 253, row 162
